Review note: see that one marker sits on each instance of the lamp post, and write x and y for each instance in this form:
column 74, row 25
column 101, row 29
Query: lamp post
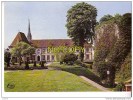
column 108, row 73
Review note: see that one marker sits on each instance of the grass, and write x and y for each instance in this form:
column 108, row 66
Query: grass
column 44, row 81
column 77, row 70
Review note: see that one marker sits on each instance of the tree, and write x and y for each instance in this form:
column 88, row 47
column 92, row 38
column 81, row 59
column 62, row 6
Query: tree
column 7, row 57
column 81, row 20
column 23, row 49
column 123, row 45
column 106, row 18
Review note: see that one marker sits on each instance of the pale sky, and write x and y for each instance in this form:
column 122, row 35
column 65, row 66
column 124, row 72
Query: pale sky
column 48, row 19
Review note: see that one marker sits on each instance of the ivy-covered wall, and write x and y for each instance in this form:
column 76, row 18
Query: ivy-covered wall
column 113, row 45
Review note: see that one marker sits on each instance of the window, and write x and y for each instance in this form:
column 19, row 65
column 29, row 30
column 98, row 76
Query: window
column 48, row 58
column 87, row 56
column 43, row 50
column 38, row 51
column 52, row 57
column 87, row 49
column 43, row 57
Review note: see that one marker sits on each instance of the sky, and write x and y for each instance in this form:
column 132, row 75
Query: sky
column 48, row 19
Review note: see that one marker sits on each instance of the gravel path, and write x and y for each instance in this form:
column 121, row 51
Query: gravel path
column 94, row 83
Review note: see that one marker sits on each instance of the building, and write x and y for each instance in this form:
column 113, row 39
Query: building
column 41, row 52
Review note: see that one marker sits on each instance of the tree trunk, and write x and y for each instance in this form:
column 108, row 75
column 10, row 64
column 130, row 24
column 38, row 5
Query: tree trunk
column 20, row 61
column 34, row 63
column 27, row 65
column 81, row 56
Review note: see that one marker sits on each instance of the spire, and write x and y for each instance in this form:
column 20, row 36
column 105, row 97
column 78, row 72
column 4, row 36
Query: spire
column 29, row 36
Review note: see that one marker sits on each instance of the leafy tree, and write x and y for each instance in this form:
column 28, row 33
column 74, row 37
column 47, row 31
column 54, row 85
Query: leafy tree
column 22, row 49
column 104, row 43
column 106, row 18
column 123, row 45
column 81, row 20
column 7, row 58
column 113, row 50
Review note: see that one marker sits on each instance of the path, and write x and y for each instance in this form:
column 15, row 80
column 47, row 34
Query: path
column 48, row 63
column 94, row 83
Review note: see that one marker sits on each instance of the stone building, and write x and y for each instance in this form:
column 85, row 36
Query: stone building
column 41, row 52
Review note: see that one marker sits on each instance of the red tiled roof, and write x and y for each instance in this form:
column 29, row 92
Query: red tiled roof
column 19, row 38
column 52, row 42
column 44, row 42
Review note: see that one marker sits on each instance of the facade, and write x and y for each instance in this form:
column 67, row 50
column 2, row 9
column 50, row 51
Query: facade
column 41, row 52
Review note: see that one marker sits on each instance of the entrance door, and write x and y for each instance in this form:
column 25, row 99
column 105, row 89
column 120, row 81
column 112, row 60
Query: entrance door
column 38, row 58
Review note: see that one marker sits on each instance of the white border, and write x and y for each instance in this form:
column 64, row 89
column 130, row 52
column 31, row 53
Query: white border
column 53, row 94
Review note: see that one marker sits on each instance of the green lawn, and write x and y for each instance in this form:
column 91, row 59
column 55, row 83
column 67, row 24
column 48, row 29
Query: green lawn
column 77, row 70
column 44, row 80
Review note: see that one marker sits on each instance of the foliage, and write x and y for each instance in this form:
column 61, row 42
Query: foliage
column 7, row 58
column 125, row 72
column 22, row 49
column 114, row 20
column 5, row 64
column 102, row 70
column 78, row 62
column 104, row 43
column 123, row 45
column 81, row 20
column 113, row 49
column 69, row 58
column 45, row 81
column 106, row 18
column 119, row 87
column 117, row 18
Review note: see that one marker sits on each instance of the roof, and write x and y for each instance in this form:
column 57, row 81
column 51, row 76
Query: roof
column 19, row 38
column 52, row 42
column 42, row 43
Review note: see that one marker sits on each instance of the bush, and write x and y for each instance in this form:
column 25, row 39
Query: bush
column 69, row 58
column 102, row 70
column 78, row 62
column 119, row 87
column 5, row 64
column 61, row 62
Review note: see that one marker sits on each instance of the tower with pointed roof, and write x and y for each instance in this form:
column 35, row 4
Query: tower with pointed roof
column 29, row 36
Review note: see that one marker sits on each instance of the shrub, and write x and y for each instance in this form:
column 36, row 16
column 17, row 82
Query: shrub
column 119, row 87
column 69, row 58
column 102, row 70
column 125, row 72
column 61, row 62
column 78, row 62
column 5, row 64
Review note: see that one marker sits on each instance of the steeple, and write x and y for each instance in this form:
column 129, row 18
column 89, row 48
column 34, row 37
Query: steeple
column 29, row 36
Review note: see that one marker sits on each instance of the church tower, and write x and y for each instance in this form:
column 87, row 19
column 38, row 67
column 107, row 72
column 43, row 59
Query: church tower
column 29, row 36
